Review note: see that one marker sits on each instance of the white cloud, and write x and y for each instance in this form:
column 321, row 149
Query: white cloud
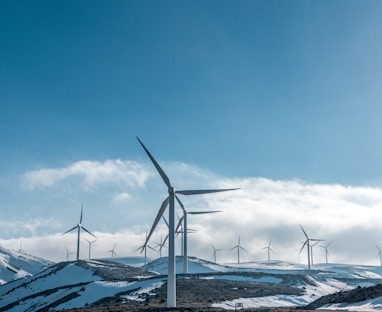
column 90, row 173
column 263, row 210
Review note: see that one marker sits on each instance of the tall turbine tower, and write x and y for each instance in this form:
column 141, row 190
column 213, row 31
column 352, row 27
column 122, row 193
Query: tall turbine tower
column 90, row 246
column 269, row 249
column 215, row 252
column 379, row 255
column 79, row 227
column 326, row 251
column 238, row 250
column 170, row 201
column 185, row 231
column 307, row 244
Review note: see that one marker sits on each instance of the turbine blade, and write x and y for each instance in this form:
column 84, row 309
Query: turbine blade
column 152, row 248
column 180, row 203
column 304, row 231
column 302, row 246
column 159, row 169
column 88, row 231
column 73, row 228
column 82, row 208
column 195, row 192
column 165, row 221
column 203, row 212
column 179, row 225
column 158, row 217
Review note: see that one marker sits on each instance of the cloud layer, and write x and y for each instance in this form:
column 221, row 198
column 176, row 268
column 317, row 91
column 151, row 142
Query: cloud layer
column 123, row 198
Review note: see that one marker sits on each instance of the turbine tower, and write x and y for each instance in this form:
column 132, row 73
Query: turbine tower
column 68, row 253
column 307, row 244
column 326, row 251
column 112, row 251
column 215, row 252
column 90, row 246
column 185, row 231
column 79, row 227
column 170, row 201
column 238, row 250
column 379, row 255
column 269, row 250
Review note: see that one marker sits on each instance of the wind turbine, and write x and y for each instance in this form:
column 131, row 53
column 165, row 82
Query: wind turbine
column 326, row 251
column 311, row 251
column 307, row 243
column 68, row 254
column 238, row 250
column 185, row 231
column 269, row 250
column 379, row 254
column 79, row 227
column 170, row 201
column 144, row 247
column 161, row 244
column 112, row 251
column 90, row 246
column 215, row 252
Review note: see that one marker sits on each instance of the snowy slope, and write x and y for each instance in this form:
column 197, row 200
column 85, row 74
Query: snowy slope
column 15, row 264
column 69, row 285
column 73, row 285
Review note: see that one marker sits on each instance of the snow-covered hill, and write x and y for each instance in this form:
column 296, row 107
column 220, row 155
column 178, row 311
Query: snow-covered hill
column 18, row 264
column 78, row 284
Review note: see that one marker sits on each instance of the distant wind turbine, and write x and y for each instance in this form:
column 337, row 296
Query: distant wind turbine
column 144, row 247
column 90, row 246
column 269, row 249
column 170, row 201
column 160, row 245
column 112, row 251
column 326, row 251
column 79, row 227
column 185, row 231
column 311, row 251
column 215, row 252
column 68, row 253
column 238, row 250
column 379, row 255
column 307, row 244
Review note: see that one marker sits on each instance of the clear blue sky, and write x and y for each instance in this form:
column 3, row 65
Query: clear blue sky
column 268, row 88
column 272, row 89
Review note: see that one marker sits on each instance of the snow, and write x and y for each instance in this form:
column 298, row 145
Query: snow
column 31, row 283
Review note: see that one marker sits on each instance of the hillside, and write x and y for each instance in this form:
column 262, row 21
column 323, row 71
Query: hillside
column 101, row 285
column 18, row 264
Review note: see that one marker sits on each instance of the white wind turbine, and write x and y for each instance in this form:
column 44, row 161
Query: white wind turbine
column 379, row 255
column 269, row 249
column 112, row 251
column 68, row 254
column 90, row 246
column 311, row 251
column 79, row 227
column 308, row 247
column 185, row 231
column 215, row 252
column 326, row 251
column 144, row 247
column 238, row 250
column 161, row 244
column 170, row 201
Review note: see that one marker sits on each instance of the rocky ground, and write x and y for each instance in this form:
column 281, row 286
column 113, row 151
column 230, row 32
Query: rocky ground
column 200, row 294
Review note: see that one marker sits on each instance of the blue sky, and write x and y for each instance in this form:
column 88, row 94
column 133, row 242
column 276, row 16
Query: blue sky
column 221, row 92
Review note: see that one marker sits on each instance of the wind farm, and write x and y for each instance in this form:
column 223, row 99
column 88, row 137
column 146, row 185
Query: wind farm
column 167, row 269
